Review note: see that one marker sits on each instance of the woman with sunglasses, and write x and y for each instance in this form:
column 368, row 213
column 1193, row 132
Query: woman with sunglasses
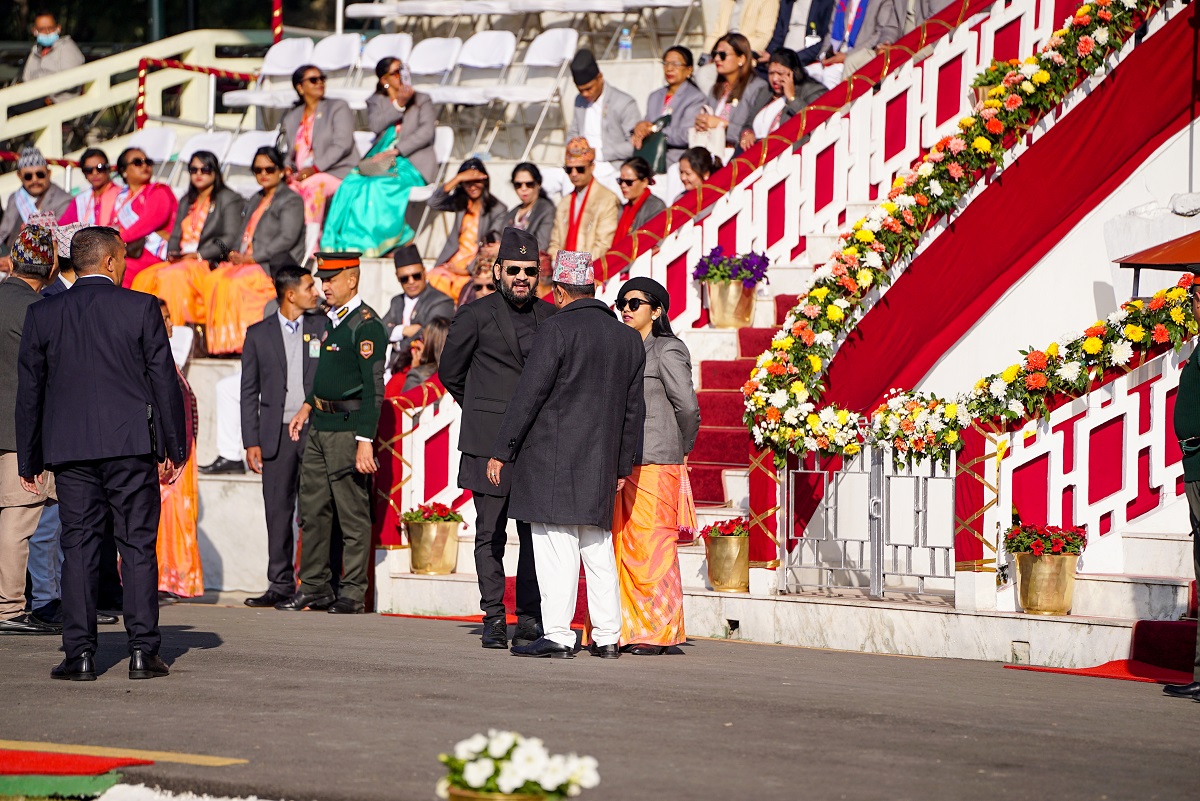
column 476, row 212
column 367, row 213
column 535, row 211
column 212, row 218
column 655, row 502
column 95, row 204
column 680, row 99
column 736, row 90
column 145, row 212
column 640, row 203
column 318, row 135
column 272, row 235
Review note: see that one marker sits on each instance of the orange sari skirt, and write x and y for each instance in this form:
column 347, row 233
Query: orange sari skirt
column 236, row 295
column 645, row 528
column 180, row 571
column 181, row 285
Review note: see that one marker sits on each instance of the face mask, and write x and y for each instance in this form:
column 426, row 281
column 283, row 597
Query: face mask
column 47, row 39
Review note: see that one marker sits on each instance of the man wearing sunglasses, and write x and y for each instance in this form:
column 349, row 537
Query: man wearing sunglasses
column 586, row 219
column 36, row 195
column 416, row 305
column 480, row 366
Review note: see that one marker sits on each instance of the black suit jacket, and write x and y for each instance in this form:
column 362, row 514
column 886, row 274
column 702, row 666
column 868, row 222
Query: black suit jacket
column 95, row 377
column 264, row 379
column 574, row 425
column 480, row 366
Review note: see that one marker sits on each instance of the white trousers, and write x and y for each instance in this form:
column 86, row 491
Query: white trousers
column 556, row 552
column 229, row 417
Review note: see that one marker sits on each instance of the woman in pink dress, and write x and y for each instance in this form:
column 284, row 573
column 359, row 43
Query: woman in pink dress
column 97, row 204
column 145, row 212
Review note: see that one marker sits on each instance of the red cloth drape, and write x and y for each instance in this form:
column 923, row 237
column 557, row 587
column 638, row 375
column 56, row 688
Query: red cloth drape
column 391, row 474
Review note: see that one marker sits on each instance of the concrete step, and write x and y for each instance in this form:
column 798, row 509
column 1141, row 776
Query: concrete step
column 1131, row 597
column 203, row 375
column 232, row 533
column 1162, row 554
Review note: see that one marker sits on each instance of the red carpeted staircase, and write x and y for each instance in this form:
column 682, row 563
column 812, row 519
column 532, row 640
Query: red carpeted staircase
column 723, row 442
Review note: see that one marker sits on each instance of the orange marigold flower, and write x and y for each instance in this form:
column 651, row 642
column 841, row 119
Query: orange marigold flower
column 994, row 126
column 1185, row 280
column 1105, row 16
column 919, row 445
column 895, row 193
column 1157, row 303
column 849, row 284
column 899, row 444
column 909, row 218
column 798, row 327
column 1096, row 331
column 921, row 200
column 773, row 414
column 823, row 442
column 1035, row 381
column 1160, row 335
column 776, row 369
column 808, row 336
column 908, row 426
column 1035, row 360
column 749, row 387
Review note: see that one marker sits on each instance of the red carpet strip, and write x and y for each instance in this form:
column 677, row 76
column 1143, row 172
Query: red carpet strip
column 1123, row 669
column 20, row 763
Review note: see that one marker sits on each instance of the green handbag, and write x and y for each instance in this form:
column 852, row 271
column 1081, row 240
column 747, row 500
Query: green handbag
column 654, row 146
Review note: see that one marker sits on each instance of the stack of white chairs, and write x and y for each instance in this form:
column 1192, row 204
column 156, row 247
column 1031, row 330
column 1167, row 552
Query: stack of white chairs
column 158, row 144
column 362, row 84
column 337, row 57
column 273, row 89
column 538, row 82
column 483, row 60
column 434, row 57
column 639, row 17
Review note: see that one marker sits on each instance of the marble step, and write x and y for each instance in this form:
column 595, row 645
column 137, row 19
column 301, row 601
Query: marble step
column 1158, row 554
column 232, row 533
column 1131, row 597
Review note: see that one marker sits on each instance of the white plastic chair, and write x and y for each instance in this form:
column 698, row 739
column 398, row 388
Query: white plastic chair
column 443, row 147
column 284, row 58
column 485, row 58
column 337, row 54
column 434, row 56
column 157, row 143
column 385, row 45
column 363, row 140
column 241, row 155
column 217, row 143
column 552, row 50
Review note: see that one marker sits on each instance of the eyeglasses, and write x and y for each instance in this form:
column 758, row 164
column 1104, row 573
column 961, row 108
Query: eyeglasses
column 408, row 279
column 391, row 74
column 514, row 270
column 29, row 176
column 524, row 184
column 95, row 170
column 315, row 79
column 578, row 170
column 627, row 181
column 271, row 170
column 721, row 55
column 674, row 64
column 633, row 304
column 200, row 170
column 488, row 287
column 140, row 162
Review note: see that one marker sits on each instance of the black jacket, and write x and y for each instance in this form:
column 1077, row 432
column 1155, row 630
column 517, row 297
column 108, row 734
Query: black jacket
column 95, row 377
column 16, row 297
column 575, row 422
column 480, row 366
column 264, row 379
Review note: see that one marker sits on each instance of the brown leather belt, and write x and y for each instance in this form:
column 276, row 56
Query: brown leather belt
column 337, row 407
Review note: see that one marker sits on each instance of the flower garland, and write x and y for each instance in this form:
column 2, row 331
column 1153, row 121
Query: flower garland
column 786, row 384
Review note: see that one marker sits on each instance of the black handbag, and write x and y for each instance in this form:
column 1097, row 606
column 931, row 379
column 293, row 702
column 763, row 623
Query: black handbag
column 654, row 146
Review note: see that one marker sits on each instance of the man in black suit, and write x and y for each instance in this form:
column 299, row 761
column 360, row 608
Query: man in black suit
column 279, row 360
column 481, row 363
column 416, row 305
column 98, row 402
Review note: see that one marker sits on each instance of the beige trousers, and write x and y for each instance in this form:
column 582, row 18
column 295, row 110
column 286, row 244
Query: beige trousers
column 19, row 515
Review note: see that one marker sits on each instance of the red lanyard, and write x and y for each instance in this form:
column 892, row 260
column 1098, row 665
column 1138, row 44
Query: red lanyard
column 573, row 220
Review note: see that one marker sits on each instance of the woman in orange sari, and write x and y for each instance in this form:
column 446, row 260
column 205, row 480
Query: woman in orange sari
column 272, row 236
column 476, row 214
column 654, row 504
column 180, row 572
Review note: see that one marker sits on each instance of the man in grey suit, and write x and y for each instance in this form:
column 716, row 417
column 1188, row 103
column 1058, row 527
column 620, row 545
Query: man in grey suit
column 604, row 115
column 279, row 360
column 415, row 306
column 36, row 195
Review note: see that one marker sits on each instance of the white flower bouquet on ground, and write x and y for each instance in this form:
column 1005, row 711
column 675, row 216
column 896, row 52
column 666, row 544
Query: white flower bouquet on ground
column 504, row 762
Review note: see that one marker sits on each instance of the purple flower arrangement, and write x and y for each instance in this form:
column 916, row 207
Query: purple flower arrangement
column 750, row 269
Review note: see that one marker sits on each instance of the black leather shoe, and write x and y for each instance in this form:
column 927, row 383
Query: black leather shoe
column 105, row 619
column 605, row 651
column 303, row 600
column 146, row 666
column 1183, row 690
column 527, row 633
column 268, row 598
column 638, row 649
column 50, row 614
column 26, row 623
column 346, row 606
column 81, row 668
column 544, row 648
column 223, row 466
column 495, row 634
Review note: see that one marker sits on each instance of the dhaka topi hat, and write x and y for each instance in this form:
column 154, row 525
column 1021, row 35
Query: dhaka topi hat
column 580, row 148
column 517, row 244
column 649, row 287
column 584, row 68
column 574, row 268
column 406, row 256
column 62, row 237
column 34, row 246
column 31, row 157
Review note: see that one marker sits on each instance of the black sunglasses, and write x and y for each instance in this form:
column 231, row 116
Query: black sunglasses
column 315, row 79
column 140, row 162
column 514, row 270
column 524, row 184
column 408, row 279
column 29, row 176
column 633, row 303
column 95, row 170
column 720, row 55
column 267, row 170
column 580, row 170
column 488, row 287
column 200, row 170
column 627, row 181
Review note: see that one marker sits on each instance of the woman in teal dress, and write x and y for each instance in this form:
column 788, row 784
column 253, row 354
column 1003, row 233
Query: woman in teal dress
column 367, row 213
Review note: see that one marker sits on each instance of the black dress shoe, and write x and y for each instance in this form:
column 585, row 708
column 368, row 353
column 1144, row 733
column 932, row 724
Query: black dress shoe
column 639, row 649
column 1183, row 690
column 495, row 634
column 223, row 466
column 544, row 648
column 81, row 668
column 303, row 600
column 105, row 619
column 527, row 633
column 50, row 614
column 146, row 666
column 605, row 651
column 346, row 606
column 26, row 623
column 268, row 598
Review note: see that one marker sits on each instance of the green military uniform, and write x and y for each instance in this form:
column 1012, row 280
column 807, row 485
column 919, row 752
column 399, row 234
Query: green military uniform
column 346, row 396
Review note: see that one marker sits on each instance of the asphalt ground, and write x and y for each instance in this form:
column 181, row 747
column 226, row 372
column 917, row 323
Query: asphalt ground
column 357, row 708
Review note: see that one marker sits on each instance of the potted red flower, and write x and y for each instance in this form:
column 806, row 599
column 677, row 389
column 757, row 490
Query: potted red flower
column 1046, row 559
column 433, row 537
column 727, row 546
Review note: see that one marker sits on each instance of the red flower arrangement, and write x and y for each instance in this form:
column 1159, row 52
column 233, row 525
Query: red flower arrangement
column 432, row 513
column 1039, row 540
column 737, row 527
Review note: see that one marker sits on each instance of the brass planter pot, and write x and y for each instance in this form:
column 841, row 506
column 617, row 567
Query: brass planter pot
column 1046, row 583
column 728, row 563
column 459, row 794
column 730, row 305
column 434, row 547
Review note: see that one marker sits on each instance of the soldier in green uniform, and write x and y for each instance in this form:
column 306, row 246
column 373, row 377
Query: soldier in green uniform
column 339, row 456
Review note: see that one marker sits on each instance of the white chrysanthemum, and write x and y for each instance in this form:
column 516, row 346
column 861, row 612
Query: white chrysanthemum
column 1016, row 407
column 937, row 426
column 806, row 409
column 762, row 358
column 925, row 170
column 758, row 437
column 1029, row 69
column 510, row 778
column 906, row 201
column 872, row 225
column 828, row 415
column 470, row 748
column 896, row 403
column 1101, row 36
column 791, row 416
column 442, row 789
column 935, row 188
column 778, row 398
column 873, row 260
column 478, row 772
column 998, row 388
column 1117, row 317
column 964, row 417
column 810, row 443
column 842, row 303
column 1129, row 3
column 1069, row 337
column 760, row 374
column 824, row 338
column 877, row 213
column 1069, row 372
column 824, row 272
column 1121, row 352
column 501, row 743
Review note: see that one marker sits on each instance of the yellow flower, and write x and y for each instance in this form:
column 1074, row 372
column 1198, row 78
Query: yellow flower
column 1040, row 77
column 982, row 145
column 1162, row 293
column 966, row 124
column 830, row 432
column 899, row 182
column 1083, row 9
column 1134, row 333
column 1176, row 293
column 859, row 224
column 1061, row 33
column 1010, row 373
column 997, row 91
column 1137, row 304
column 800, row 391
column 813, row 421
column 814, row 362
column 782, row 344
column 888, row 206
column 843, row 417
column 1092, row 345
column 1028, row 88
column 951, row 411
column 864, row 277
column 1031, row 60
column 1052, row 350
column 852, row 449
column 1177, row 315
column 992, row 104
column 951, row 437
column 981, row 383
column 834, row 313
column 865, row 236
column 851, row 250
column 818, row 294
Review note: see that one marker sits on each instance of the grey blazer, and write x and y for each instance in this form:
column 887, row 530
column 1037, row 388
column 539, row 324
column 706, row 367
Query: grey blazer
column 333, row 137
column 279, row 236
column 224, row 223
column 672, row 411
column 417, row 133
column 492, row 220
column 647, row 212
column 806, row 94
column 541, row 221
column 685, row 105
column 756, row 95
column 431, row 304
column 616, row 126
column 54, row 201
